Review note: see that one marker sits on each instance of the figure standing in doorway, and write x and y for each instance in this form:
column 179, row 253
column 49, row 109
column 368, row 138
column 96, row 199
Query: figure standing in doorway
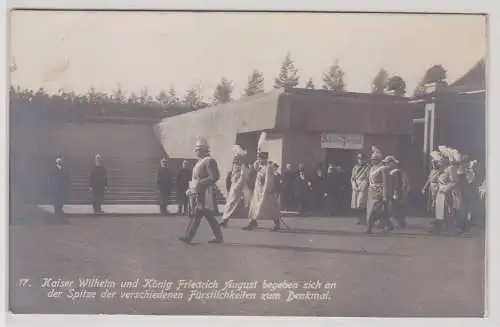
column 302, row 190
column 431, row 186
column 288, row 189
column 317, row 185
column 331, row 191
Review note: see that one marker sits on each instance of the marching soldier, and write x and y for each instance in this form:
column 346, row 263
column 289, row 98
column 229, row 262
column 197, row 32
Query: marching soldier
column 359, row 184
column 60, row 182
column 448, row 179
column 98, row 182
column 378, row 193
column 432, row 183
column 201, row 193
column 164, row 185
column 399, row 187
column 288, row 191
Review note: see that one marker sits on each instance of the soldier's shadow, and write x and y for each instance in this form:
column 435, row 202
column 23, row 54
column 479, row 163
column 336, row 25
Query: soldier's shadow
column 313, row 250
column 34, row 215
column 419, row 233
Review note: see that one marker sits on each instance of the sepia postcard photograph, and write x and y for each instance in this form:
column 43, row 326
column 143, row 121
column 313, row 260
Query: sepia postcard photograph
column 247, row 163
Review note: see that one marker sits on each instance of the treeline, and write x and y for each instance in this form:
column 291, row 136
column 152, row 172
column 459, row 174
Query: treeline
column 167, row 103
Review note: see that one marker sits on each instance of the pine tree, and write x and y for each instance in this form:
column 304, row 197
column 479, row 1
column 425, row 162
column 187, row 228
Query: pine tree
column 162, row 98
column 173, row 99
column 222, row 93
column 118, row 95
column 192, row 100
column 379, row 83
column 145, row 98
column 255, row 83
column 92, row 95
column 288, row 74
column 333, row 79
column 310, row 84
column 397, row 84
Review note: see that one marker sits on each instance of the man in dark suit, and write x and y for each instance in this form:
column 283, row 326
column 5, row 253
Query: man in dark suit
column 164, row 184
column 59, row 182
column 182, row 184
column 317, row 185
column 332, row 191
column 98, row 182
column 301, row 190
column 288, row 191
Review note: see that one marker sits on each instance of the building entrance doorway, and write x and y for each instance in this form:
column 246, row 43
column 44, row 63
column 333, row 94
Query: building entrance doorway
column 345, row 159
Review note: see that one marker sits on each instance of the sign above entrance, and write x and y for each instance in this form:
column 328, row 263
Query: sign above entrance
column 342, row 141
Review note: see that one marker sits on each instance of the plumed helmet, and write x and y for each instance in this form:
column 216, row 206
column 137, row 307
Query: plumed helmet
column 390, row 159
column 436, row 156
column 238, row 151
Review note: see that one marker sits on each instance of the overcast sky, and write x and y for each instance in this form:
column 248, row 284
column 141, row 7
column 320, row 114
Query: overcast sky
column 74, row 50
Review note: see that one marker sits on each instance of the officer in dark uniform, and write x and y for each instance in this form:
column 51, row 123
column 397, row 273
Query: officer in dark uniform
column 288, row 191
column 317, row 185
column 98, row 182
column 302, row 190
column 332, row 191
column 59, row 183
column 182, row 183
column 164, row 184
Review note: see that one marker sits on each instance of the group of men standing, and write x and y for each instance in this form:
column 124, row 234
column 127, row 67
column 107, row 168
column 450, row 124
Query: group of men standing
column 454, row 191
column 165, row 184
column 60, row 185
column 320, row 193
column 98, row 185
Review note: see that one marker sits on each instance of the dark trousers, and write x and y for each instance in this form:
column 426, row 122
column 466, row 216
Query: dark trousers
column 97, row 199
column 195, row 221
column 164, row 201
column 58, row 207
column 287, row 198
column 462, row 220
column 183, row 203
column 58, row 204
column 302, row 202
column 317, row 201
column 398, row 212
column 330, row 204
column 380, row 213
column 361, row 215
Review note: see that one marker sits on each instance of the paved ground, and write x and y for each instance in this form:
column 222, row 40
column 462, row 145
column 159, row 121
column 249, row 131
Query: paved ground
column 406, row 273
column 134, row 209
